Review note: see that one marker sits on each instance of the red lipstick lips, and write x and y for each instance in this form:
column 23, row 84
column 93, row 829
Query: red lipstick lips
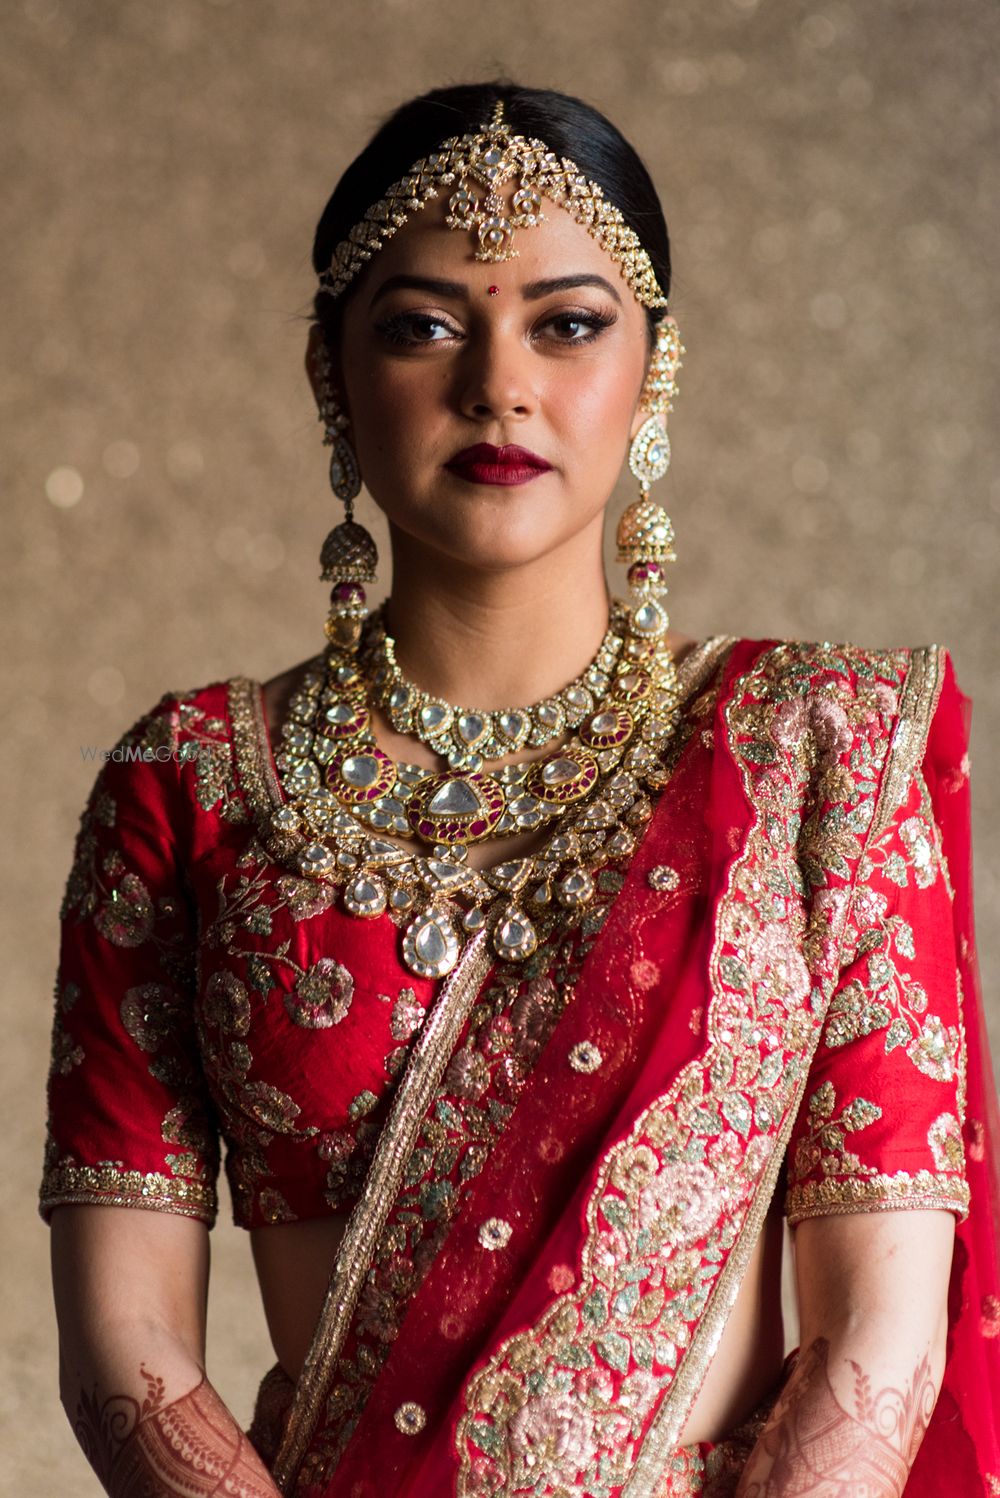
column 485, row 464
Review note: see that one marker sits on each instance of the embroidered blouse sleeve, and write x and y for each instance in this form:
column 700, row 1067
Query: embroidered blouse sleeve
column 130, row 1122
column 880, row 1126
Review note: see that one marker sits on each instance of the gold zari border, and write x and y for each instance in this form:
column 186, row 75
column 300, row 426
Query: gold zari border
column 880, row 1193
column 918, row 700
column 108, row 1185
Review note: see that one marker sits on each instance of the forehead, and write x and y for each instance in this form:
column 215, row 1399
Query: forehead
column 558, row 246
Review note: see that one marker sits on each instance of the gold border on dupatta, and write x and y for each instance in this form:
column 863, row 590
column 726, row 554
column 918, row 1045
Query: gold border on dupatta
column 918, row 700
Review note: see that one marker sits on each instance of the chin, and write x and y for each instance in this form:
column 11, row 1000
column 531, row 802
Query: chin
column 493, row 536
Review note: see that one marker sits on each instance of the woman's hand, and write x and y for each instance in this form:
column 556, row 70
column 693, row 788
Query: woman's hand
column 872, row 1291
column 130, row 1290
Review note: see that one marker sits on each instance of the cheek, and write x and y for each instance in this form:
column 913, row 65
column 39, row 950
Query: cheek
column 594, row 410
column 400, row 409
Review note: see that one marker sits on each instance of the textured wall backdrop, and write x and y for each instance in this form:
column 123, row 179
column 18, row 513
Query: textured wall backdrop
column 829, row 172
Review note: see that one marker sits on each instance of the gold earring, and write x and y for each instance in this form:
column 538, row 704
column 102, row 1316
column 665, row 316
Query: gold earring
column 645, row 534
column 349, row 556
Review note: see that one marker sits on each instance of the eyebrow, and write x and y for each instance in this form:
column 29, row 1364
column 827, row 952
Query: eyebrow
column 530, row 291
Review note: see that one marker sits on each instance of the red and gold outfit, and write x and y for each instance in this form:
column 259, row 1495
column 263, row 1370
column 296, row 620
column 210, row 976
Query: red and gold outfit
column 774, row 989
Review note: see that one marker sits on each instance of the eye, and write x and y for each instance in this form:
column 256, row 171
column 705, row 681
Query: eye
column 409, row 328
column 580, row 327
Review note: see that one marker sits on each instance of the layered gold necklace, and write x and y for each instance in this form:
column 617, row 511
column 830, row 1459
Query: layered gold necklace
column 348, row 801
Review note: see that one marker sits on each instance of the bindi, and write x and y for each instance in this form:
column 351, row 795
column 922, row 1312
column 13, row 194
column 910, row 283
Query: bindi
column 493, row 290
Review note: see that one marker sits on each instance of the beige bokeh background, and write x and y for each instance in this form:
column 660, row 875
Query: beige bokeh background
column 829, row 172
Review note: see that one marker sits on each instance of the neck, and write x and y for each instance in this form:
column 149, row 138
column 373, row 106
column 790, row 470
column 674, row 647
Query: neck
column 496, row 639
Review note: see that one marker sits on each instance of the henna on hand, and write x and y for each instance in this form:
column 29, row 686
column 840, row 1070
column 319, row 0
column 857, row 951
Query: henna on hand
column 812, row 1447
column 189, row 1446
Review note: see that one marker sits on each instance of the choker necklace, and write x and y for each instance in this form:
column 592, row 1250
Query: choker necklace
column 467, row 737
column 330, row 763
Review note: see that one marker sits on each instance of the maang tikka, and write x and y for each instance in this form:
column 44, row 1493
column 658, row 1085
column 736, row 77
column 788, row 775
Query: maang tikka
column 348, row 557
column 645, row 534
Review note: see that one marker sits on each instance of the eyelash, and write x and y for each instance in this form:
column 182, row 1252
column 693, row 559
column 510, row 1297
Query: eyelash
column 392, row 328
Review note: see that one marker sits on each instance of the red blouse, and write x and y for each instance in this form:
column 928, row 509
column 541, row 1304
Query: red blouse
column 206, row 992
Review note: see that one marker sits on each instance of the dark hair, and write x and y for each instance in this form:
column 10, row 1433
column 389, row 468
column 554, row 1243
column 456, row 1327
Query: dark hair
column 567, row 125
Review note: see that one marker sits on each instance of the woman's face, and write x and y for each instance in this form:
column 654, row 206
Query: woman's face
column 431, row 363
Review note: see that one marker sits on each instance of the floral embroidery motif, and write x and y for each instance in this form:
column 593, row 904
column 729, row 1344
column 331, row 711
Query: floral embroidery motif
column 945, row 1139
column 410, row 1418
column 407, row 1015
column 887, row 997
column 126, row 917
column 206, row 745
column 494, row 1233
column 825, row 1146
column 585, row 1057
column 322, row 995
column 65, row 1053
column 149, row 1012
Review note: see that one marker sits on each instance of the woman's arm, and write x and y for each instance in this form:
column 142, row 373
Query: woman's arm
column 131, row 1290
column 872, row 1290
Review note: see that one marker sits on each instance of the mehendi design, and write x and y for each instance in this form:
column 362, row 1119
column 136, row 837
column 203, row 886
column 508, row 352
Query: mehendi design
column 813, row 1447
column 189, row 1446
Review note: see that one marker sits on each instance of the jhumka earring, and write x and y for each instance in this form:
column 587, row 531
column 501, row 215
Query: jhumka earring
column 348, row 557
column 645, row 534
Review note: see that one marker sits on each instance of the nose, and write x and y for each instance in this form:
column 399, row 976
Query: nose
column 494, row 378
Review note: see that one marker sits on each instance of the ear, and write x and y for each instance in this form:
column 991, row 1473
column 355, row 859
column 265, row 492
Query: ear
column 640, row 416
column 316, row 347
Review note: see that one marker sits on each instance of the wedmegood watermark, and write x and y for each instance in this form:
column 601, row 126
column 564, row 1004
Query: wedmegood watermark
column 132, row 754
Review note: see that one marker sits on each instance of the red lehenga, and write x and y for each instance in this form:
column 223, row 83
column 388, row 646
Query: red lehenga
column 558, row 1169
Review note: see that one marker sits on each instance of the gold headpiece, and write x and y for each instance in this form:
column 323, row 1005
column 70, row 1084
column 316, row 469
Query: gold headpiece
column 491, row 157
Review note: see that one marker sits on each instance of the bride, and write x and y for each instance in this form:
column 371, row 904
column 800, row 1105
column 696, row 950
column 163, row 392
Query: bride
column 531, row 959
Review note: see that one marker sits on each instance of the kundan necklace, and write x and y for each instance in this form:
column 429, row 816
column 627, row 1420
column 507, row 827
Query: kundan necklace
column 466, row 737
column 342, row 791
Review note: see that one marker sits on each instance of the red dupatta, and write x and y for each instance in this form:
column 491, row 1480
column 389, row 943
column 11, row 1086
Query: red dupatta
column 552, row 1330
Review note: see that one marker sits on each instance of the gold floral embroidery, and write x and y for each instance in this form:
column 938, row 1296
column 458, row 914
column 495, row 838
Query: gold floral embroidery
column 887, row 997
column 945, row 1139
column 274, row 1207
column 204, row 743
column 825, row 1146
column 149, row 1013
column 65, row 1053
column 322, row 995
